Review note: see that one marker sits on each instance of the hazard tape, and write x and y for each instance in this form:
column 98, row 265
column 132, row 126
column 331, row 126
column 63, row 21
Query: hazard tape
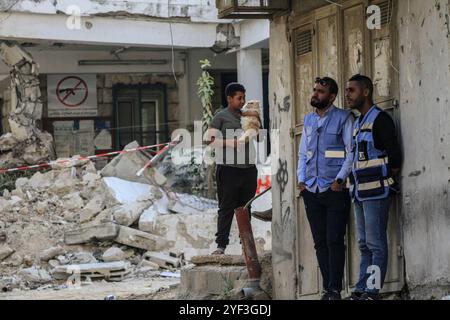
column 101, row 155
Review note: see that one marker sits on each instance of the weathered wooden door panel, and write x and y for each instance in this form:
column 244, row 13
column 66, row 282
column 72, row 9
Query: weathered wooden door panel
column 342, row 46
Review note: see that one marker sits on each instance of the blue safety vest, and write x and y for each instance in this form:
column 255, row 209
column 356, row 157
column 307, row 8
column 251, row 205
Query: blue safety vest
column 370, row 170
column 325, row 147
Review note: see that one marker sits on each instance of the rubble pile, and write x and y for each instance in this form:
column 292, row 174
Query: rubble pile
column 74, row 224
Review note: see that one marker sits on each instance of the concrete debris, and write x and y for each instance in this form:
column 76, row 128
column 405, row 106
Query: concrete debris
column 106, row 231
column 5, row 252
column 163, row 260
column 25, row 144
column 126, row 166
column 64, row 219
column 223, row 260
column 113, row 271
column 82, row 258
column 140, row 239
column 94, row 207
column 35, row 274
column 50, row 253
column 149, row 265
column 128, row 214
column 113, row 254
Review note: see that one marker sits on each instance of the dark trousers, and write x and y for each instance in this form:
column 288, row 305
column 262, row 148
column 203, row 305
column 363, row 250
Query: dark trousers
column 328, row 215
column 235, row 187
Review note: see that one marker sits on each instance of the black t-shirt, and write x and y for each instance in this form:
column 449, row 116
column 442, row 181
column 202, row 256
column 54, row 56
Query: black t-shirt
column 385, row 138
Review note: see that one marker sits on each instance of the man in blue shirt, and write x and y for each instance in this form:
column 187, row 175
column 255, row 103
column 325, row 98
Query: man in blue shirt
column 325, row 162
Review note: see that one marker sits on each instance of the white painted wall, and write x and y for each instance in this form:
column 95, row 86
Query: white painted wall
column 194, row 10
column 425, row 119
column 107, row 30
column 254, row 33
column 249, row 64
column 66, row 61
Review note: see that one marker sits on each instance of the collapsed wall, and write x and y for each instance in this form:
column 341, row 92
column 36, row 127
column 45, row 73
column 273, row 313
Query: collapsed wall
column 25, row 144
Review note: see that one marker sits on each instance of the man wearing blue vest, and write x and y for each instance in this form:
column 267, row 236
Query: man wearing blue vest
column 325, row 162
column 377, row 159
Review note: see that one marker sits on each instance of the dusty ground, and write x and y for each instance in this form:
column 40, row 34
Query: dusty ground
column 132, row 289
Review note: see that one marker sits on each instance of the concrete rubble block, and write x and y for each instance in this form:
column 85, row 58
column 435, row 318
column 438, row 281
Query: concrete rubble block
column 4, row 205
column 94, row 207
column 101, row 232
column 128, row 214
column 15, row 201
column 38, row 181
column 103, row 217
column 163, row 260
column 7, row 142
column 223, row 260
column 73, row 201
column 5, row 252
column 147, row 219
column 64, row 183
column 41, row 207
column 208, row 281
column 113, row 271
column 21, row 182
column 82, row 258
column 125, row 166
column 139, row 239
column 50, row 253
column 113, row 254
column 149, row 265
column 19, row 131
column 90, row 177
column 35, row 275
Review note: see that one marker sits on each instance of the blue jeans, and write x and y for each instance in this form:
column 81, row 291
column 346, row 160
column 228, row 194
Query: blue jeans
column 371, row 223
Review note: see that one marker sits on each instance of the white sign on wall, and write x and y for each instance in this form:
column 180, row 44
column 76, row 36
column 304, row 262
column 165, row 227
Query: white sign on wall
column 72, row 95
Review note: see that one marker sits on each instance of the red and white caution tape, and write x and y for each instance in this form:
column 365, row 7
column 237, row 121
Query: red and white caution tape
column 73, row 160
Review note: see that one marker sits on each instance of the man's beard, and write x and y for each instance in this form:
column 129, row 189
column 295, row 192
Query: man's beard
column 318, row 104
column 359, row 102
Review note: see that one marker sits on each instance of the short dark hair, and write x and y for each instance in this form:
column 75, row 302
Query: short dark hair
column 233, row 88
column 364, row 82
column 330, row 82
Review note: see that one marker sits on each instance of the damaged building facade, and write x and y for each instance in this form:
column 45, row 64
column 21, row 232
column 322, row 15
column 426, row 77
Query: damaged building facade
column 114, row 72
column 407, row 56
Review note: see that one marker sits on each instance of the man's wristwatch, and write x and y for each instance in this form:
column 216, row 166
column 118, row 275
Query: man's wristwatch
column 339, row 181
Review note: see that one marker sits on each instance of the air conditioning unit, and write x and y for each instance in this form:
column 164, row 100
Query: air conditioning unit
column 250, row 9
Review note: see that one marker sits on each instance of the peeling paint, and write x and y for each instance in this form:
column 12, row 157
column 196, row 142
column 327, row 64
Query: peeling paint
column 382, row 79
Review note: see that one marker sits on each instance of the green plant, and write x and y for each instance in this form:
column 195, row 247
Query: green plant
column 8, row 180
column 205, row 93
column 227, row 288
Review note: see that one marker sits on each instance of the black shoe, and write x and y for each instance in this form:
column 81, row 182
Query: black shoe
column 331, row 295
column 370, row 296
column 354, row 296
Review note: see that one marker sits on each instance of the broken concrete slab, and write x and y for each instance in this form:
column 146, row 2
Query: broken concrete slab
column 34, row 274
column 140, row 239
column 148, row 264
column 113, row 271
column 101, row 232
column 50, row 253
column 163, row 260
column 148, row 217
column 73, row 201
column 207, row 282
column 126, row 166
column 223, row 260
column 94, row 207
column 128, row 214
column 113, row 254
column 126, row 192
column 82, row 258
column 5, row 252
